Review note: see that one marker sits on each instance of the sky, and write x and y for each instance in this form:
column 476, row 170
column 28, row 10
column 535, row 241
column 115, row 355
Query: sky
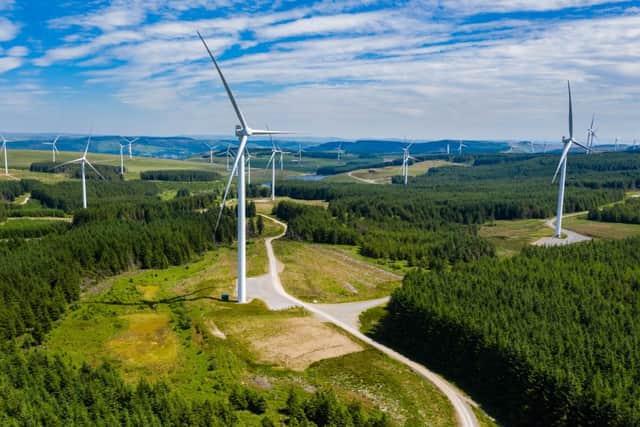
column 417, row 69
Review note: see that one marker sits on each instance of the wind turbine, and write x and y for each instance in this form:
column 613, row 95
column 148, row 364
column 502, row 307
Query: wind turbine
column 272, row 161
column 243, row 132
column 229, row 154
column 448, row 148
column 460, row 145
column 130, row 144
column 340, row 151
column 299, row 153
column 591, row 134
column 211, row 147
column 531, row 147
column 122, row 157
column 54, row 149
column 83, row 161
column 4, row 150
column 562, row 166
column 249, row 157
column 405, row 163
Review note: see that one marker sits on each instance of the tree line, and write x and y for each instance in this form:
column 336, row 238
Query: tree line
column 627, row 212
column 540, row 338
column 185, row 175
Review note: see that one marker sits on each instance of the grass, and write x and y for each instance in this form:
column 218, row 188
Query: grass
column 136, row 322
column 511, row 236
column 265, row 206
column 599, row 229
column 322, row 273
column 383, row 175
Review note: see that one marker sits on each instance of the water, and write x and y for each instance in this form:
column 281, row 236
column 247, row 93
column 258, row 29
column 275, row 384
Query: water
column 308, row 177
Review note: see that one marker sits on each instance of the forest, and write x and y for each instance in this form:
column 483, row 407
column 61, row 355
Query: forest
column 627, row 212
column 541, row 338
column 179, row 175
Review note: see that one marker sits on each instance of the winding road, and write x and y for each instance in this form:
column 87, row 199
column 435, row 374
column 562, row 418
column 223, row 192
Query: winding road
column 345, row 316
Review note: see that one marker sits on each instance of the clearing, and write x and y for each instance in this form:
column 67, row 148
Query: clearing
column 325, row 274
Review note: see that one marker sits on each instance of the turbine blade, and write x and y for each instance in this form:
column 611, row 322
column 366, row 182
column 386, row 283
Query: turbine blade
column 580, row 145
column 94, row 169
column 565, row 152
column 243, row 143
column 273, row 154
column 68, row 163
column 270, row 132
column 226, row 86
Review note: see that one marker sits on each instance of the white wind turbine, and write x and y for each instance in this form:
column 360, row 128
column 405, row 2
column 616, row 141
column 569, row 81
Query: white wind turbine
column 299, row 153
column 243, row 132
column 591, row 134
column 229, row 155
column 448, row 148
column 460, row 146
column 54, row 149
column 615, row 145
column 249, row 157
column 4, row 151
column 405, row 163
column 122, row 146
column 130, row 144
column 211, row 150
column 340, row 151
column 83, row 161
column 272, row 161
column 562, row 166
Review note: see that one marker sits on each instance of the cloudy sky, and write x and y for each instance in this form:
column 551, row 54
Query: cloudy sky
column 422, row 69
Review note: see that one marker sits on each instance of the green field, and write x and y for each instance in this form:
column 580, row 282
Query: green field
column 600, row 230
column 383, row 175
column 326, row 274
column 170, row 325
column 510, row 237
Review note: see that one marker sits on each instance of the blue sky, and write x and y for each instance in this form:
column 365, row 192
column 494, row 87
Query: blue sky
column 422, row 69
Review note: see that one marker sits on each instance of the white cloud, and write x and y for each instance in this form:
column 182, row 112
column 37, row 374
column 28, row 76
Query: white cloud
column 8, row 29
column 18, row 51
column 470, row 7
column 9, row 63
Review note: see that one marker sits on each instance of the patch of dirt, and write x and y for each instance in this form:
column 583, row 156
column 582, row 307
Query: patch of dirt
column 148, row 342
column 297, row 343
column 348, row 286
column 214, row 330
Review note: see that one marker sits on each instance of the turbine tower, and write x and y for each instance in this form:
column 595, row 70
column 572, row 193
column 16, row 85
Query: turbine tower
column 4, row 151
column 272, row 161
column 122, row 158
column 299, row 153
column 243, row 132
column 83, row 161
column 562, row 166
column 229, row 154
column 405, row 163
column 340, row 151
column 460, row 146
column 211, row 147
column 54, row 149
column 130, row 144
column 249, row 157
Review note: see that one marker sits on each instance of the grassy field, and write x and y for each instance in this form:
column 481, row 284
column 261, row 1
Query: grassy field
column 510, row 237
column 169, row 324
column 600, row 230
column 383, row 175
column 326, row 274
column 265, row 205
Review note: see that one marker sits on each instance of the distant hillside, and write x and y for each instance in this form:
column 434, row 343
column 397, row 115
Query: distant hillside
column 394, row 146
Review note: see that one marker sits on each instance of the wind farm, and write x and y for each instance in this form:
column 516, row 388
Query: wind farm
column 175, row 266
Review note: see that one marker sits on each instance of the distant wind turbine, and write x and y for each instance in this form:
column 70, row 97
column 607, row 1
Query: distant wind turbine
column 211, row 150
column 83, row 161
column 460, row 146
column 340, row 151
column 243, row 132
column 405, row 163
column 130, row 144
column 562, row 166
column 249, row 157
column 122, row 146
column 299, row 153
column 4, row 151
column 54, row 149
